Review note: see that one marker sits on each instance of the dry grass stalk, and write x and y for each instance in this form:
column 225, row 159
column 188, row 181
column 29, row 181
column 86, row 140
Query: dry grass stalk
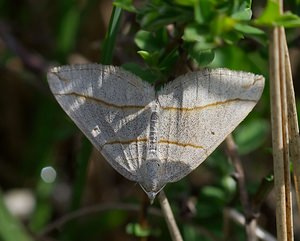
column 169, row 217
column 277, row 138
column 285, row 134
column 294, row 139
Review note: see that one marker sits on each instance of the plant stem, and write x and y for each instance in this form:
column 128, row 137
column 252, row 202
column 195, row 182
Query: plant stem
column 277, row 140
column 169, row 217
column 294, row 139
column 239, row 175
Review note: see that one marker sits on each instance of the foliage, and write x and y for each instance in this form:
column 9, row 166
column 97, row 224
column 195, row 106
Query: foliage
column 199, row 28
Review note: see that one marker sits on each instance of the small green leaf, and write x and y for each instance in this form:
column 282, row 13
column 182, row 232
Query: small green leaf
column 125, row 4
column 288, row 20
column 202, row 57
column 195, row 32
column 150, row 58
column 222, row 24
column 144, row 74
column 232, row 37
column 154, row 17
column 144, row 54
column 168, row 61
column 137, row 230
column 150, row 41
column 247, row 29
column 199, row 18
column 272, row 17
column 243, row 15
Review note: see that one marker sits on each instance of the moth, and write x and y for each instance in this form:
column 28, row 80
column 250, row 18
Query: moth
column 154, row 138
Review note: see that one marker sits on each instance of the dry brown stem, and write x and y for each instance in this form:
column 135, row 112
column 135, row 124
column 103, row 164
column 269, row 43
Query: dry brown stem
column 239, row 175
column 281, row 92
column 169, row 217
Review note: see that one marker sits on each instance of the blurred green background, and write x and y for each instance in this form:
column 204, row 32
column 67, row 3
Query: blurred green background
column 48, row 170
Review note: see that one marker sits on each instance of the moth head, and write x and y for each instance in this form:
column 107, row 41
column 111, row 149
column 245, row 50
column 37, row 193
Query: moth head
column 152, row 177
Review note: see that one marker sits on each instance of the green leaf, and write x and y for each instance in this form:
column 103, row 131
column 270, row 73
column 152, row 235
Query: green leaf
column 202, row 57
column 272, row 17
column 241, row 10
column 243, row 15
column 204, row 11
column 144, row 54
column 155, row 17
column 270, row 13
column 247, row 29
column 150, row 41
column 150, row 58
column 232, row 37
column 213, row 192
column 111, row 35
column 222, row 24
column 68, row 30
column 288, row 20
column 168, row 61
column 144, row 74
column 137, row 230
column 233, row 57
column 195, row 32
column 249, row 136
column 125, row 4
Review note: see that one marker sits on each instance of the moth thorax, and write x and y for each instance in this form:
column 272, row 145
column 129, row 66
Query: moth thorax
column 153, row 134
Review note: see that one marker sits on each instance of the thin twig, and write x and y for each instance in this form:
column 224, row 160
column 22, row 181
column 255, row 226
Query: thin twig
column 169, row 217
column 32, row 61
column 265, row 187
column 240, row 179
column 143, row 215
column 240, row 219
column 92, row 210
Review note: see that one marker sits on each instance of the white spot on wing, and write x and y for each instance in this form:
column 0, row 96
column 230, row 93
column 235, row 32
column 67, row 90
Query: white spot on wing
column 96, row 131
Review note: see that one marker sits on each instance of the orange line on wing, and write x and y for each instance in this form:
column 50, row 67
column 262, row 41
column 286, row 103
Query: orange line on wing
column 91, row 98
column 180, row 144
column 195, row 108
column 125, row 141
column 160, row 141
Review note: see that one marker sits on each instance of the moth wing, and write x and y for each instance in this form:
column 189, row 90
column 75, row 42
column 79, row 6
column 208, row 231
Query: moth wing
column 111, row 107
column 198, row 111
